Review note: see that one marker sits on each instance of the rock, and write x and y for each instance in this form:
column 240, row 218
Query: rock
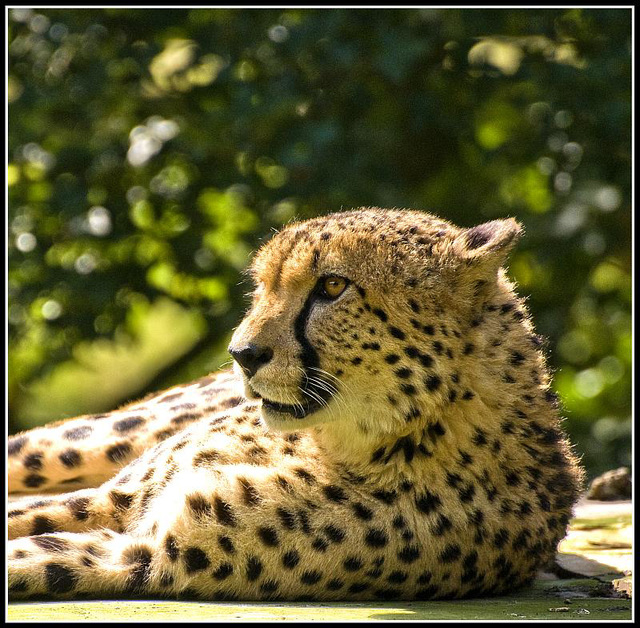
column 612, row 485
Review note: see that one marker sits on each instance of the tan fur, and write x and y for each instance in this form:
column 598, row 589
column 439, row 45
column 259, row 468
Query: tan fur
column 432, row 466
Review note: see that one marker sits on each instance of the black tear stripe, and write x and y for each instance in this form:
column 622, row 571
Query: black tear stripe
column 309, row 357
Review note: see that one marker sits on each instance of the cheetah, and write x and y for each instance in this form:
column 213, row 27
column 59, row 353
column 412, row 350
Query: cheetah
column 387, row 432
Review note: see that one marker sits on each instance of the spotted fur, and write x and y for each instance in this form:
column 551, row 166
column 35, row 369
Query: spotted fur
column 400, row 441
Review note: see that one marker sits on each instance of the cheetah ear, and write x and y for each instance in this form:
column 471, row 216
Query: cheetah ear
column 488, row 244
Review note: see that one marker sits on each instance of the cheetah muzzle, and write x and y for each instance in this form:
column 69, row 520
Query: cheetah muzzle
column 388, row 431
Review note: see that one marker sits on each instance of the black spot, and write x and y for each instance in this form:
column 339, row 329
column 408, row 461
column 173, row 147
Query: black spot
column 204, row 458
column 399, row 522
column 525, row 508
column 60, row 579
column 544, row 502
column 78, row 507
column 450, row 554
column 408, row 389
column 334, row 493
column 380, row 314
column 432, row 382
column 334, row 533
column 119, row 452
column 269, row 586
column 304, row 521
column 129, row 423
column 291, row 559
column 377, row 454
column 392, row 358
column 387, row 594
column 373, row 573
column 33, row 461
column 121, row 501
column 467, row 395
column 226, row 544
column 501, row 537
column 409, row 554
column 358, row 587
column 268, row 536
column 199, row 506
column 396, row 333
column 77, row 433
column 468, row 348
column 428, row 502
column 387, row 497
column 310, row 577
column 334, row 585
column 376, row 538
column 50, row 543
column 424, row 577
column 305, row 475
column 254, row 568
column 34, row 480
column 18, row 586
column 320, row 545
column 171, row 397
column 362, row 511
column 352, row 564
column 70, row 458
column 441, row 525
column 140, row 557
column 42, row 525
column 512, row 478
column 223, row 571
column 16, row 444
column 479, row 437
column 507, row 427
column 429, row 330
column 403, row 373
column 250, row 495
column 287, row 518
column 466, row 493
column 397, row 577
column 171, row 548
column 465, row 458
column 195, row 559
column 224, row 512
column 516, row 358
column 435, row 430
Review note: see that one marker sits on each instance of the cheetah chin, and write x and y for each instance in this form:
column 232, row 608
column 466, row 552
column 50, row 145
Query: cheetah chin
column 388, row 432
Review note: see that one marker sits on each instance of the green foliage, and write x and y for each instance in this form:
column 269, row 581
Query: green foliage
column 152, row 150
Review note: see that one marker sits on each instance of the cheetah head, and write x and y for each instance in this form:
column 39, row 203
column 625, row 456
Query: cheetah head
column 344, row 310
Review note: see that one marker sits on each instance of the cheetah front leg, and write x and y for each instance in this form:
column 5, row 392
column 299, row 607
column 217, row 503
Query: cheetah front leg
column 71, row 565
column 78, row 511
column 86, row 451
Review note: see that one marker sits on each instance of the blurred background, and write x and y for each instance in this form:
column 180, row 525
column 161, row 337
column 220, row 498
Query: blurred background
column 151, row 151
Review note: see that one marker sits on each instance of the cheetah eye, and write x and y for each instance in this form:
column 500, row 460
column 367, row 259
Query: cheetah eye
column 332, row 287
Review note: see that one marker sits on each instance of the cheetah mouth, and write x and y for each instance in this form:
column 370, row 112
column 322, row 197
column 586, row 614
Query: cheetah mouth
column 318, row 392
column 297, row 411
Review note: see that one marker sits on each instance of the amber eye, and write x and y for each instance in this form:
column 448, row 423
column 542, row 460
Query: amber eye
column 332, row 287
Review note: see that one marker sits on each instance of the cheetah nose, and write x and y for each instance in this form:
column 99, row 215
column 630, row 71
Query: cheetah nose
column 251, row 357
